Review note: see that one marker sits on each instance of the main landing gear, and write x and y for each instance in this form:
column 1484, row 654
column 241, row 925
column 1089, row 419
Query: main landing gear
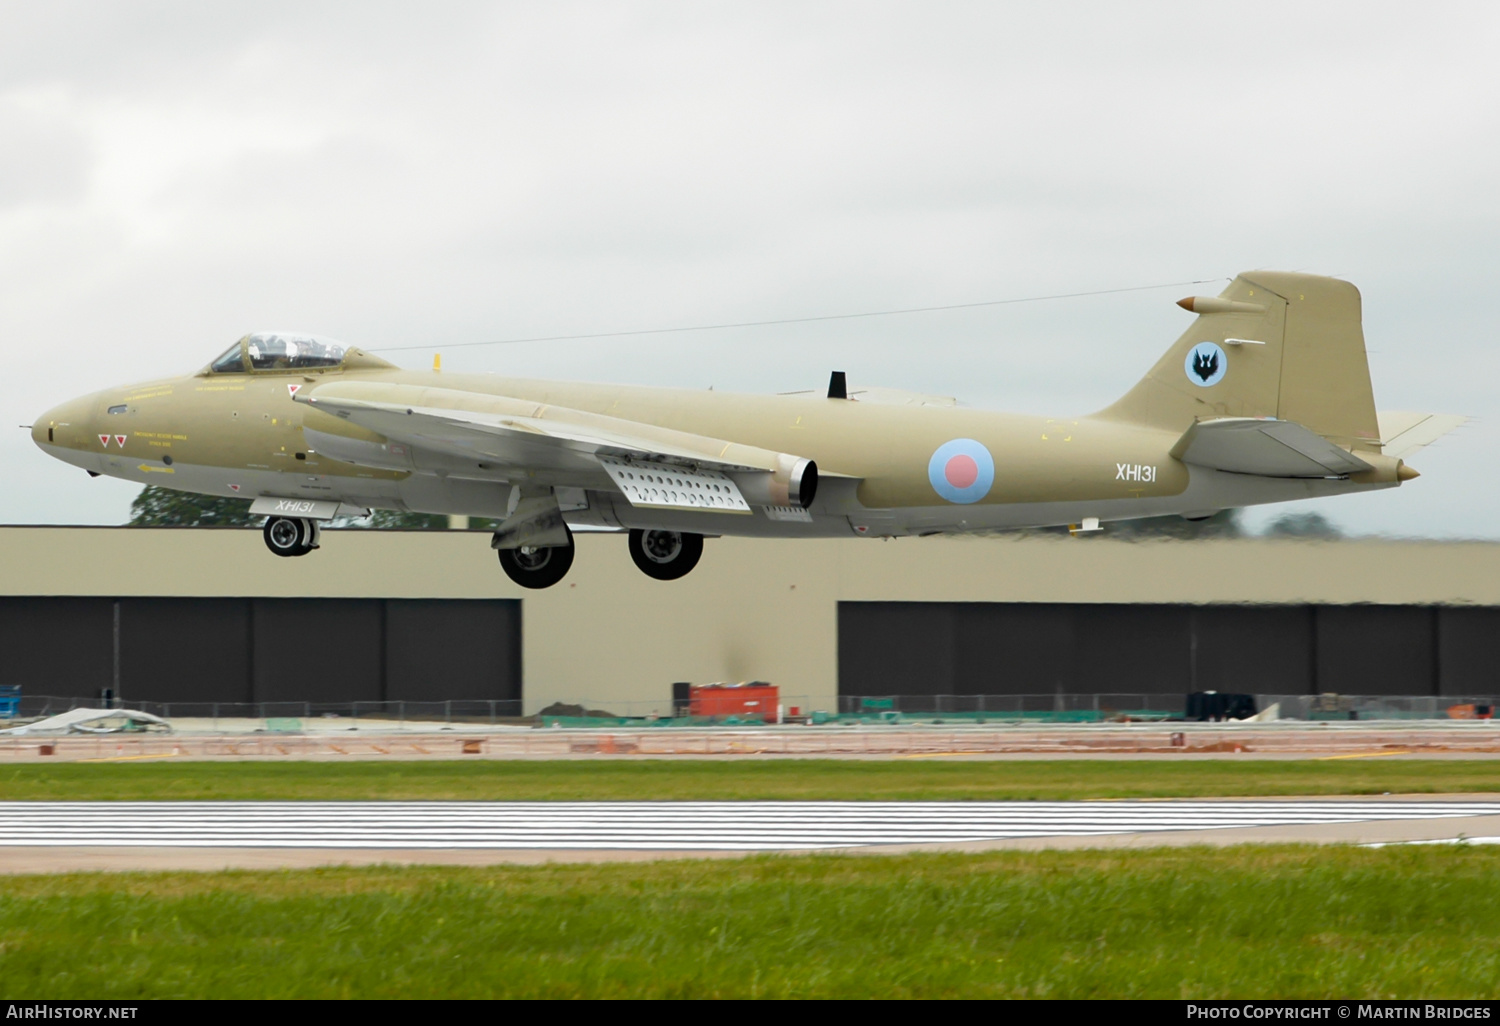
column 662, row 555
column 665, row 555
column 533, row 567
column 291, row 536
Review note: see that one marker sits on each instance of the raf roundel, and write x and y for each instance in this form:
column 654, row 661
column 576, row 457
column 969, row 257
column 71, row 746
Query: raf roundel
column 961, row 471
column 1205, row 364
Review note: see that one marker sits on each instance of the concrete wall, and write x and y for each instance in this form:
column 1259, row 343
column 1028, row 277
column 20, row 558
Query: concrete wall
column 753, row 608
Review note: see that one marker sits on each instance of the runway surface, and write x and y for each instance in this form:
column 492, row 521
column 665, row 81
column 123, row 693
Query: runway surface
column 697, row 826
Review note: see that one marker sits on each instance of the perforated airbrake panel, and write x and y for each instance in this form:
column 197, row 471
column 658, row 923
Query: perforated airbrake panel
column 665, row 486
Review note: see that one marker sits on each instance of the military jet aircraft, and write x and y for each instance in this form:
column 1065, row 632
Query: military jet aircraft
column 1265, row 398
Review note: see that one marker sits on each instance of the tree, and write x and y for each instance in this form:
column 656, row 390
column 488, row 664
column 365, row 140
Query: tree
column 1307, row 524
column 1223, row 524
column 402, row 520
column 405, row 520
column 166, row 507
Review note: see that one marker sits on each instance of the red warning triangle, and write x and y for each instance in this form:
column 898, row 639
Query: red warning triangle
column 120, row 441
column 234, row 488
column 104, row 441
column 292, row 389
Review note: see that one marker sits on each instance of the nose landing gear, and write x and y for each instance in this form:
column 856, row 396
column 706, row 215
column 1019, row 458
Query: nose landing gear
column 291, row 536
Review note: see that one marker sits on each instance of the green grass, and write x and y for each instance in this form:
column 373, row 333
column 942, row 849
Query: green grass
column 1168, row 923
column 798, row 779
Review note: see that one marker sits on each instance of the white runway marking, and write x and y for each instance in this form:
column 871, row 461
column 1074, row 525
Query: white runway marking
column 1435, row 840
column 706, row 826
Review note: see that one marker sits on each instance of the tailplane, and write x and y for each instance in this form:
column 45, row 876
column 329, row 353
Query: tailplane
column 1402, row 434
column 1272, row 344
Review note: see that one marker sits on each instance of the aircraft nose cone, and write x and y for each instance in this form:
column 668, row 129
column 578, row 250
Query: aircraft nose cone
column 66, row 424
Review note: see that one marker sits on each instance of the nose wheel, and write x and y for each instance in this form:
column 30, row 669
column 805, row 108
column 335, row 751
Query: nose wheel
column 665, row 555
column 291, row 536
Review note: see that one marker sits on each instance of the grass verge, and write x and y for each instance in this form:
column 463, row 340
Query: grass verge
column 800, row 779
column 1421, row 922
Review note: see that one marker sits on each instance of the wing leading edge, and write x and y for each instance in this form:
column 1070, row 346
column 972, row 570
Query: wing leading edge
column 648, row 465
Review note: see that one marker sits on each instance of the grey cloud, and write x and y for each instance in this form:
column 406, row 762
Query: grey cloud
column 41, row 162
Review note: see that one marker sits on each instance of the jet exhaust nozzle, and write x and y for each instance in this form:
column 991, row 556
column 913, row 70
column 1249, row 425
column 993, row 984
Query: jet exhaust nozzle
column 802, row 484
column 794, row 482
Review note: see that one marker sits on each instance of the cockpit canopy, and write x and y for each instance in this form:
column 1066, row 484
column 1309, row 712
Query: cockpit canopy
column 279, row 350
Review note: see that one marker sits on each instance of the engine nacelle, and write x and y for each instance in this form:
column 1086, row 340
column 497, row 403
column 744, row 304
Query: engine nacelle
column 794, row 482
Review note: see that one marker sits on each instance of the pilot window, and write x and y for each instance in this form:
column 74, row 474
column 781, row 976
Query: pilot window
column 270, row 351
column 117, row 409
column 232, row 362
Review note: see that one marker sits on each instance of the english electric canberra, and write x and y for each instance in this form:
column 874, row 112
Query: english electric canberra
column 1265, row 398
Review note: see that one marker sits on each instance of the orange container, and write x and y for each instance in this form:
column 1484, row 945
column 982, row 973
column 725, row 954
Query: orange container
column 753, row 699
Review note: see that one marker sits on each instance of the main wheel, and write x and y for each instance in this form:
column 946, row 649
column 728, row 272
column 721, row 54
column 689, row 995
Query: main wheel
column 290, row 536
column 665, row 555
column 537, row 568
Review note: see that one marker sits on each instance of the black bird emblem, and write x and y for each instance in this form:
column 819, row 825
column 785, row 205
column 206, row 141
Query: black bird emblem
column 1205, row 364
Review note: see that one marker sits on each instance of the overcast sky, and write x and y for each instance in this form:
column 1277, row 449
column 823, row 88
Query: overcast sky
column 175, row 174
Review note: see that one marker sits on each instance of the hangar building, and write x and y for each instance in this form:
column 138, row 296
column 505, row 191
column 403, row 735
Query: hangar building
column 207, row 615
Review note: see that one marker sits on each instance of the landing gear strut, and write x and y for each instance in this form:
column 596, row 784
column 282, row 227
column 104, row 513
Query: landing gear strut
column 291, row 536
column 533, row 567
column 665, row 555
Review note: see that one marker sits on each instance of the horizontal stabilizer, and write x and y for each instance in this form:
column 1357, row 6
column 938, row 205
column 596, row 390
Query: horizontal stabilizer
column 1403, row 433
column 1264, row 447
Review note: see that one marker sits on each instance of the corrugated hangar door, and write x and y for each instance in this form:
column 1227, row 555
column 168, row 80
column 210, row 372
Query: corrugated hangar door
column 956, row 648
column 317, row 650
column 185, row 649
column 997, row 648
column 51, row 645
column 202, row 651
column 439, row 649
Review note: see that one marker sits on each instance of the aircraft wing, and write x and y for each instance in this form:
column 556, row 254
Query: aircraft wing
column 1403, row 433
column 1264, row 447
column 649, row 465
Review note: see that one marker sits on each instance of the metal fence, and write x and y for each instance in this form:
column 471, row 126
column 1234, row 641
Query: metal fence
column 454, row 711
column 1380, row 707
column 1107, row 707
column 950, row 709
column 495, row 712
column 1013, row 707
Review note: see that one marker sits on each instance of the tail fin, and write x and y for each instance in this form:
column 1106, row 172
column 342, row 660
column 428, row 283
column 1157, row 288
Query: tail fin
column 1273, row 344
